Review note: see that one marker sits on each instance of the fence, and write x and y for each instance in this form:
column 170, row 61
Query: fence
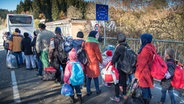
column 161, row 46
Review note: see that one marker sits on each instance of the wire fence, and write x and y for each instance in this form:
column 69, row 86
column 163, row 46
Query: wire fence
column 161, row 46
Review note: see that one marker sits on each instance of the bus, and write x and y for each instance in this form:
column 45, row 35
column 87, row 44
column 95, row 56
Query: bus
column 24, row 22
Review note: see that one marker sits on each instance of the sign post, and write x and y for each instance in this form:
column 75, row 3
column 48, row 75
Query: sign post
column 102, row 15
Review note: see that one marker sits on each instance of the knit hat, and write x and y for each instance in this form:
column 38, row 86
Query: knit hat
column 92, row 34
column 58, row 30
column 72, row 54
column 109, row 53
column 80, row 34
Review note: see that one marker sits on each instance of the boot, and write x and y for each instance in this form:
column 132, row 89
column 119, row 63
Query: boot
column 146, row 101
column 80, row 99
column 73, row 100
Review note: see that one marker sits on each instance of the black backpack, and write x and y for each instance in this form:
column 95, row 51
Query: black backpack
column 128, row 64
column 81, row 55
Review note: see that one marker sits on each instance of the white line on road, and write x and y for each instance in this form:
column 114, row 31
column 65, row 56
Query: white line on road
column 15, row 88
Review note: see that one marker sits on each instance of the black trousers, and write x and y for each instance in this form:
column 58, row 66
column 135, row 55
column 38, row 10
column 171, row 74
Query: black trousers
column 122, row 82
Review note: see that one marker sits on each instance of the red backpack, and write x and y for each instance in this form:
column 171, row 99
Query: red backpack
column 158, row 67
column 178, row 78
column 110, row 74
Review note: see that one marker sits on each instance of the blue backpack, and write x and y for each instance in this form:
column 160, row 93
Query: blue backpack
column 77, row 76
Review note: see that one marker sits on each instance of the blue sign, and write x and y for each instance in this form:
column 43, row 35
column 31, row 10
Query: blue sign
column 101, row 12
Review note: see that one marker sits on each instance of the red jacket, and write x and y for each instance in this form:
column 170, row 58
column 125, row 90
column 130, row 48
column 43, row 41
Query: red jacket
column 144, row 60
column 92, row 69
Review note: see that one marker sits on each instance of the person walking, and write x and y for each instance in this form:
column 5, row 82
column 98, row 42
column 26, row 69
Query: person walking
column 144, row 60
column 94, row 58
column 15, row 46
column 70, row 73
column 119, row 55
column 57, row 55
column 77, row 43
column 26, row 48
column 42, row 44
column 166, row 82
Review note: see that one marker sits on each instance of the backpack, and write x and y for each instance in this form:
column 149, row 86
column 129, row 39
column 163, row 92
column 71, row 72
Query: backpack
column 128, row 64
column 77, row 74
column 82, row 56
column 68, row 44
column 178, row 78
column 158, row 67
column 110, row 74
column 62, row 55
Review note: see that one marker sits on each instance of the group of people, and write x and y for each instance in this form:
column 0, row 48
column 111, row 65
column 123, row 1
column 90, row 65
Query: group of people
column 46, row 46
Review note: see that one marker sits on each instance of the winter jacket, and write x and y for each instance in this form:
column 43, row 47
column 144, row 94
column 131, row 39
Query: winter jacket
column 166, row 83
column 15, row 42
column 93, row 52
column 68, row 69
column 119, row 54
column 144, row 59
column 26, row 46
column 53, row 53
column 43, row 40
column 106, row 60
column 77, row 43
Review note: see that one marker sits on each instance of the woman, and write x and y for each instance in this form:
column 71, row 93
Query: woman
column 94, row 58
column 144, row 59
column 119, row 55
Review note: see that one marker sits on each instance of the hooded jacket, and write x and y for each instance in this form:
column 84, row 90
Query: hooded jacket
column 68, row 69
column 144, row 60
column 15, row 42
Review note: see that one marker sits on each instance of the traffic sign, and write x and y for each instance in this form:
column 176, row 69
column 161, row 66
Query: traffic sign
column 101, row 12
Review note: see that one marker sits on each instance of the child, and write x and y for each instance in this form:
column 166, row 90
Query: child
column 26, row 48
column 165, row 83
column 68, row 72
column 106, row 60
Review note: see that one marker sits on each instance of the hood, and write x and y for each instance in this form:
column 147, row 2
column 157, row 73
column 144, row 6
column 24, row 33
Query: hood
column 72, row 55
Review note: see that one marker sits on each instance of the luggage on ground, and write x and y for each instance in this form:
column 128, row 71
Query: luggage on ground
column 49, row 73
column 110, row 74
column 11, row 61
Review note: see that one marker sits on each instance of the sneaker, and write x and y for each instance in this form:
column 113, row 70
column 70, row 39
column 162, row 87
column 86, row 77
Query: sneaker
column 116, row 99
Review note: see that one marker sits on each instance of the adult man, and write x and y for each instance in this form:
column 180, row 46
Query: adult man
column 42, row 44
column 15, row 46
column 57, row 55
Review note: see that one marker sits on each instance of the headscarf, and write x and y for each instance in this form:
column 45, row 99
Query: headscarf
column 145, row 39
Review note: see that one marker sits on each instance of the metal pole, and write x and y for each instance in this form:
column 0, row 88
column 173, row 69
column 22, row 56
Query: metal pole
column 104, row 34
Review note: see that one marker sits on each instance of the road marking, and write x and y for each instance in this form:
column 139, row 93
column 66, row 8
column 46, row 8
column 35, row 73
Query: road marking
column 15, row 88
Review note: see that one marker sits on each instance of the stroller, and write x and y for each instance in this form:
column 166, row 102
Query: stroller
column 134, row 93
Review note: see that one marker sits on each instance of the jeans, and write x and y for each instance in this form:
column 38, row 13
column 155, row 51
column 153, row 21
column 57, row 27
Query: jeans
column 77, row 89
column 30, row 59
column 89, row 84
column 146, row 93
column 19, row 58
column 40, row 66
column 171, row 94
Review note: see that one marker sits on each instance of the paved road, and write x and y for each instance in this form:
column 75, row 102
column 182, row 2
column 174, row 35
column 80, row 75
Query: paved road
column 30, row 89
